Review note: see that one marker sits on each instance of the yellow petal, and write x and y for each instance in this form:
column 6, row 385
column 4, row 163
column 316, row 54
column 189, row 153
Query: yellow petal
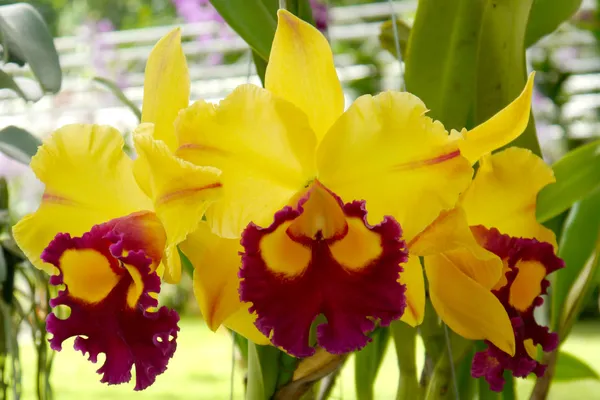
column 501, row 129
column 141, row 171
column 466, row 307
column 166, row 86
column 450, row 234
column 385, row 151
column 89, row 180
column 216, row 264
column 242, row 322
column 503, row 194
column 412, row 277
column 262, row 144
column 322, row 214
column 301, row 70
column 181, row 193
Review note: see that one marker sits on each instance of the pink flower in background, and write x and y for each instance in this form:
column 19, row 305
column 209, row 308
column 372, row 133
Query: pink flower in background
column 25, row 189
column 320, row 14
column 103, row 53
column 10, row 168
column 193, row 11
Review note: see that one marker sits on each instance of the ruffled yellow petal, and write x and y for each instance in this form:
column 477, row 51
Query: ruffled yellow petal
column 181, row 193
column 301, row 70
column 412, row 277
column 450, row 232
column 503, row 194
column 385, row 151
column 216, row 264
column 166, row 86
column 501, row 129
column 88, row 180
column 262, row 144
column 466, row 307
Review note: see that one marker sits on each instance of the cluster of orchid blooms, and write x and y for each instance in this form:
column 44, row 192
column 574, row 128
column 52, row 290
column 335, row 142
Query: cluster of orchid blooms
column 290, row 206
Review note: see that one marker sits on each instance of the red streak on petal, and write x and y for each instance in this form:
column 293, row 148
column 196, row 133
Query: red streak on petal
column 187, row 192
column 53, row 198
column 201, row 147
column 428, row 162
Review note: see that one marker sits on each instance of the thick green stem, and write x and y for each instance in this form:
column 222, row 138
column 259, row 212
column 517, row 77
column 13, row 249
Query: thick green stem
column 441, row 386
column 406, row 346
column 432, row 334
column 542, row 385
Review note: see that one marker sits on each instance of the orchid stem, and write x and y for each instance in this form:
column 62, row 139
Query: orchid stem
column 282, row 5
column 452, row 369
column 397, row 42
column 406, row 346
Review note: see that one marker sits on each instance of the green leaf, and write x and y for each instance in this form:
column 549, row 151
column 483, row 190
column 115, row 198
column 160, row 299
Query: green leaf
column 242, row 344
column 546, row 16
column 441, row 58
column 261, row 66
column 367, row 363
column 577, row 244
column 3, row 267
column 252, row 20
column 18, row 144
column 263, row 369
column 301, row 9
column 579, row 292
column 501, row 70
column 255, row 389
column 118, row 93
column 4, row 199
column 571, row 368
column 26, row 37
column 388, row 41
column 186, row 264
column 577, row 175
column 509, row 391
column 25, row 88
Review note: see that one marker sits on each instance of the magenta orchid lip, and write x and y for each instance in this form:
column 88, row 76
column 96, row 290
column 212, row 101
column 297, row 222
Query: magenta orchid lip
column 353, row 300
column 120, row 325
column 492, row 362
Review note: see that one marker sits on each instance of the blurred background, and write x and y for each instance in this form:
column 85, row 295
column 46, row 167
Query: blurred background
column 103, row 46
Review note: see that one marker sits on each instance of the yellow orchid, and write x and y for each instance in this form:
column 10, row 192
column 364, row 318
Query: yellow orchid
column 175, row 192
column 299, row 174
column 102, row 237
column 496, row 256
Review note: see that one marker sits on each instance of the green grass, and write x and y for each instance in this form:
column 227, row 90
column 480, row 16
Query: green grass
column 201, row 369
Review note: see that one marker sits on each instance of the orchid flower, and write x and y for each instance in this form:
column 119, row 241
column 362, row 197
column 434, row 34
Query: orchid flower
column 107, row 243
column 291, row 239
column 175, row 190
column 491, row 273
